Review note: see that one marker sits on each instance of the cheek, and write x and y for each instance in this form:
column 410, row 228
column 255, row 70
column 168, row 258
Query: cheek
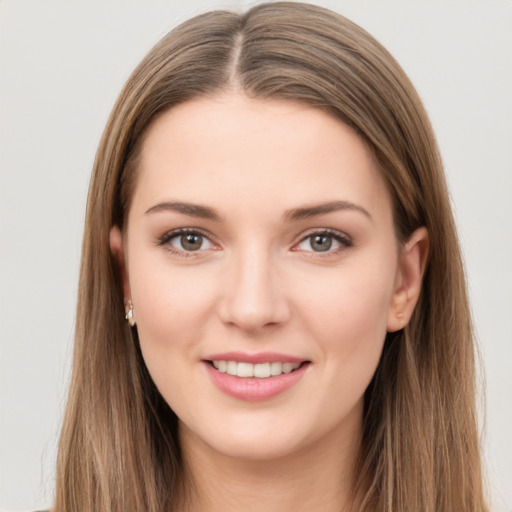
column 351, row 299
column 172, row 307
column 347, row 316
column 171, row 315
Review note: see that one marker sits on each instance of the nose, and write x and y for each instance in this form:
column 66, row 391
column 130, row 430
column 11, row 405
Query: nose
column 254, row 295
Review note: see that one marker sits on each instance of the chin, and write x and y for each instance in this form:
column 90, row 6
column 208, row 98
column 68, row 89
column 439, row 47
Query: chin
column 256, row 449
column 246, row 442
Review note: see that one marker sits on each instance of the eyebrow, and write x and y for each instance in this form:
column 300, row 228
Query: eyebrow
column 296, row 214
column 193, row 210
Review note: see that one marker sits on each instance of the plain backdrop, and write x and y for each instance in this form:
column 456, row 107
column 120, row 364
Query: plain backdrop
column 62, row 64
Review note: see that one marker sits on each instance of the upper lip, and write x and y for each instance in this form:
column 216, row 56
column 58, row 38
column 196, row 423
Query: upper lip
column 261, row 357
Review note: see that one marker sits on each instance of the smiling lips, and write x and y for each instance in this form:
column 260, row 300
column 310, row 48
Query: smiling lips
column 259, row 377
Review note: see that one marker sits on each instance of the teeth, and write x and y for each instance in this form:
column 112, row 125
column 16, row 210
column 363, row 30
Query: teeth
column 260, row 370
column 245, row 370
column 232, row 367
column 276, row 368
column 287, row 367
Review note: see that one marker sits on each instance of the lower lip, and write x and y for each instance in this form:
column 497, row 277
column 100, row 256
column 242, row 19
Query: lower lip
column 252, row 388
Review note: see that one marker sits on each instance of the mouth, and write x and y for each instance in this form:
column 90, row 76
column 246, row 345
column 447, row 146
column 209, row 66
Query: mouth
column 263, row 370
column 260, row 376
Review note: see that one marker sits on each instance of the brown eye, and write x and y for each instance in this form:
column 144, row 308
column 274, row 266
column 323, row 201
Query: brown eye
column 321, row 243
column 191, row 242
column 324, row 241
column 186, row 241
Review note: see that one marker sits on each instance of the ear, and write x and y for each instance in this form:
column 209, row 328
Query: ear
column 413, row 260
column 116, row 248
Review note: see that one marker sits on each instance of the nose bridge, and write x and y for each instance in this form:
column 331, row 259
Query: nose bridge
column 254, row 296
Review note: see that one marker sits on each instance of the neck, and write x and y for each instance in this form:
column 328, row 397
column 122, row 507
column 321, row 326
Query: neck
column 318, row 477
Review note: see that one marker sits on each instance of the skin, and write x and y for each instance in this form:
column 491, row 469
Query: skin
column 257, row 284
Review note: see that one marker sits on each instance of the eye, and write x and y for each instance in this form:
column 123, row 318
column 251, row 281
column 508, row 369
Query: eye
column 185, row 240
column 324, row 241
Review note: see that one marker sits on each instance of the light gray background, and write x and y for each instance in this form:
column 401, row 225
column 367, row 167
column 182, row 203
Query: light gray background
column 62, row 64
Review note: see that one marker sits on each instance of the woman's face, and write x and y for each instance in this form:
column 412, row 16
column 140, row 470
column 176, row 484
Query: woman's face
column 260, row 240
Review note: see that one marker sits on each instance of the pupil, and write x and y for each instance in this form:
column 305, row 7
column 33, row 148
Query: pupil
column 321, row 243
column 191, row 242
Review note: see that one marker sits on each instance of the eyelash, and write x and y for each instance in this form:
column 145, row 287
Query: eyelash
column 344, row 241
column 164, row 241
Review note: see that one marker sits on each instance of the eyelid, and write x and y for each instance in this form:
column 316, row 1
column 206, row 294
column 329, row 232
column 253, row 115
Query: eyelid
column 339, row 236
column 169, row 235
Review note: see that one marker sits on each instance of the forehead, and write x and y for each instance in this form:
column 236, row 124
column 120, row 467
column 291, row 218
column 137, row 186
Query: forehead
column 230, row 151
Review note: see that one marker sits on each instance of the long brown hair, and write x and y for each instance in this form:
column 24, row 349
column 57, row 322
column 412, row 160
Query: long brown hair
column 119, row 448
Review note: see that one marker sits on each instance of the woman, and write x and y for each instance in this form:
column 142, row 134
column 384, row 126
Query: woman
column 268, row 213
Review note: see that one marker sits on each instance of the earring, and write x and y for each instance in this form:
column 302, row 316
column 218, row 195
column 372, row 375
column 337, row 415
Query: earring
column 129, row 314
